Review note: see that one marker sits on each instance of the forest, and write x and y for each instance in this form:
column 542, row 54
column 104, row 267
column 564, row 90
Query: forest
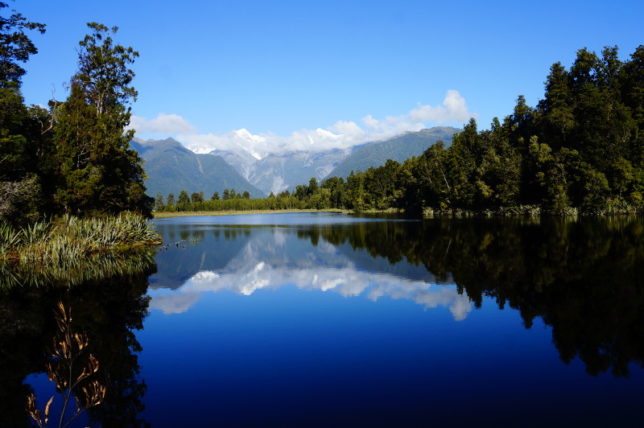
column 71, row 188
column 579, row 151
column 73, row 156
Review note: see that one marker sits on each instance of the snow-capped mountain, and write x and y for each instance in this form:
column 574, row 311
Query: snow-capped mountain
column 283, row 170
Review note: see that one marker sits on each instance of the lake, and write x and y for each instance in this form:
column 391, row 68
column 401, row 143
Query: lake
column 334, row 320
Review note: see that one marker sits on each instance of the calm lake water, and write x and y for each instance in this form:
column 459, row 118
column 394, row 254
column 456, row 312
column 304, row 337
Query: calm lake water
column 332, row 320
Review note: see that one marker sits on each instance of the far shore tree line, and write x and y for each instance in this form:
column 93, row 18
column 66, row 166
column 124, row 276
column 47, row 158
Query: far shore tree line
column 195, row 201
column 73, row 156
column 580, row 150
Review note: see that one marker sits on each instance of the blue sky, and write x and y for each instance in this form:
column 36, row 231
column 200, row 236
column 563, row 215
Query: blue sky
column 288, row 72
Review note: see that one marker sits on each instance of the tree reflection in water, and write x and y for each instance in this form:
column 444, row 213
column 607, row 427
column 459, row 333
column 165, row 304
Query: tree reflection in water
column 73, row 371
column 585, row 278
column 106, row 314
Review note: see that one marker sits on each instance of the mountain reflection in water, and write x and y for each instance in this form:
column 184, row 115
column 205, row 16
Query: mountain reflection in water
column 358, row 322
column 583, row 278
column 267, row 261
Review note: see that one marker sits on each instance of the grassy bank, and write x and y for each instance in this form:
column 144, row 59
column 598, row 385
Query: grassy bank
column 69, row 240
column 166, row 214
column 95, row 267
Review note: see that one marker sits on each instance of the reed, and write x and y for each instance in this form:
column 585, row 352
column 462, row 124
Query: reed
column 70, row 240
column 95, row 267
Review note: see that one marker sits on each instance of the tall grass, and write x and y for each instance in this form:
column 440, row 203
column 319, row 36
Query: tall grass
column 70, row 239
column 95, row 267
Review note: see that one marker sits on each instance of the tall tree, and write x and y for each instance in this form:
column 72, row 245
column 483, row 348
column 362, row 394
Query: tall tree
column 23, row 140
column 15, row 46
column 158, row 202
column 557, row 107
column 183, row 201
column 196, row 197
column 99, row 171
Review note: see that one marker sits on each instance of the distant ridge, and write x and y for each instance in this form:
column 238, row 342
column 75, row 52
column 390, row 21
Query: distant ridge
column 397, row 148
column 277, row 172
column 281, row 171
column 171, row 167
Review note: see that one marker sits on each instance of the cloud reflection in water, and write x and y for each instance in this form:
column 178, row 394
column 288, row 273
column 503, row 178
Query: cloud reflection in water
column 268, row 264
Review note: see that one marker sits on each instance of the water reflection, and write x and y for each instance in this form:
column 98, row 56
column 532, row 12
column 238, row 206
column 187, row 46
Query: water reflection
column 76, row 271
column 106, row 315
column 583, row 278
column 73, row 369
column 267, row 261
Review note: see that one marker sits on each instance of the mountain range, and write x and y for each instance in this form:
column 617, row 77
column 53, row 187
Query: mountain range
column 397, row 148
column 171, row 167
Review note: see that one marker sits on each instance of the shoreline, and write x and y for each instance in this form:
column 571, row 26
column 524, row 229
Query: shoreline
column 164, row 214
column 428, row 213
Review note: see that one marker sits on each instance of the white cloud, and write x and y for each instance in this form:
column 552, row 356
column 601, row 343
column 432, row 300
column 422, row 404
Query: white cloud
column 341, row 135
column 454, row 106
column 162, row 124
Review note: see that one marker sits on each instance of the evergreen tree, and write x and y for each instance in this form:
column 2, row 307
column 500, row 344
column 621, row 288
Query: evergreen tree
column 301, row 192
column 184, row 199
column 196, row 197
column 158, row 203
column 25, row 155
column 15, row 46
column 558, row 119
column 313, row 186
column 98, row 170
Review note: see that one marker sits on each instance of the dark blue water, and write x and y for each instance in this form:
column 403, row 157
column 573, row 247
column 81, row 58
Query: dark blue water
column 330, row 320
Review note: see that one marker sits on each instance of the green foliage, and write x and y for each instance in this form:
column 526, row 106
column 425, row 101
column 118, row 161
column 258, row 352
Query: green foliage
column 20, row 201
column 550, row 176
column 71, row 239
column 184, row 201
column 158, row 202
column 25, row 144
column 15, row 46
column 74, row 157
column 196, row 197
column 234, row 201
column 98, row 170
